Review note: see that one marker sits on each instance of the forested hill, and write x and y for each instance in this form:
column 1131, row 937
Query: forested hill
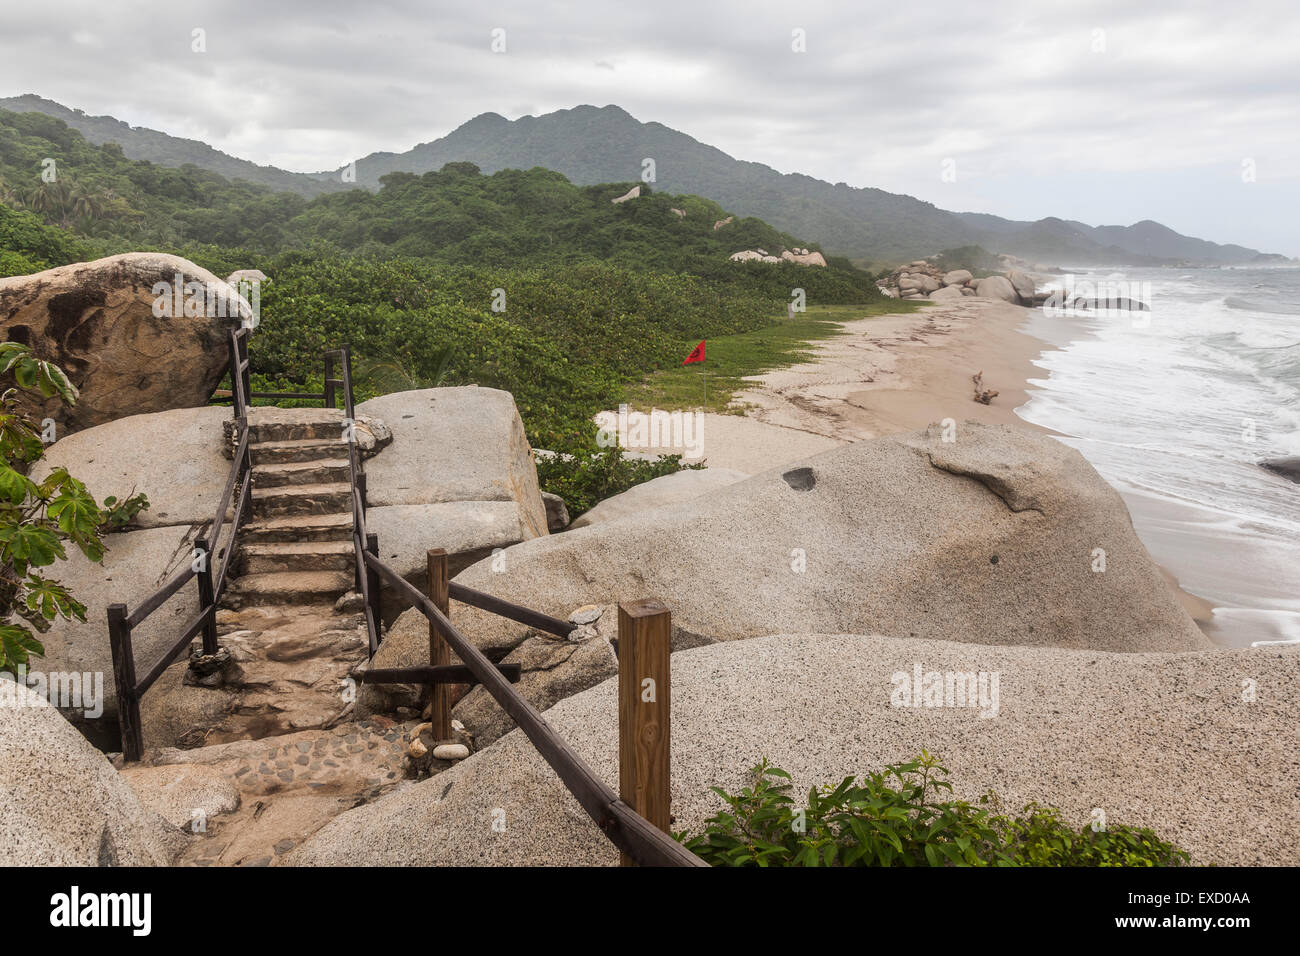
column 592, row 145
column 139, row 142
column 455, row 215
column 600, row 294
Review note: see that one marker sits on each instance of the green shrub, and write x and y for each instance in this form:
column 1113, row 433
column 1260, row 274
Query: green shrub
column 38, row 520
column 585, row 480
column 894, row 818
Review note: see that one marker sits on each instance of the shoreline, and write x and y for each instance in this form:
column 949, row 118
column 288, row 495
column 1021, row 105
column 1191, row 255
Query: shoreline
column 888, row 374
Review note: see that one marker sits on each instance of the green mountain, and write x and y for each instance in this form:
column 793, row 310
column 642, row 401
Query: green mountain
column 455, row 216
column 591, row 145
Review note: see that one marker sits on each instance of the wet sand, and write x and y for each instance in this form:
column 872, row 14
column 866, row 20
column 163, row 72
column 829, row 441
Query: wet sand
column 890, row 374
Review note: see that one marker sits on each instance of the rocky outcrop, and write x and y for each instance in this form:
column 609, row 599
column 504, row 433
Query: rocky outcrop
column 557, row 512
column 185, row 795
column 458, row 475
column 454, row 444
column 800, row 257
column 136, row 333
column 922, row 279
column 61, row 801
column 659, row 492
column 1288, row 468
column 135, row 565
column 1023, row 284
column 175, row 457
column 992, row 538
column 997, row 287
column 245, row 275
column 1157, row 740
column 995, row 538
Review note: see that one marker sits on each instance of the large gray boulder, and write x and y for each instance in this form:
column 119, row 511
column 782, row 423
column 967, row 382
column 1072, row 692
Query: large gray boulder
column 997, row 287
column 992, row 538
column 175, row 457
column 918, row 282
column 459, row 475
column 949, row 293
column 100, row 322
column 1156, row 740
column 658, row 492
column 1023, row 284
column 454, row 444
column 61, row 801
column 957, row 277
column 557, row 512
column 185, row 795
column 135, row 565
column 467, row 530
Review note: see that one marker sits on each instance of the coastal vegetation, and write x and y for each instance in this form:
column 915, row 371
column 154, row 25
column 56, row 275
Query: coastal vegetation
column 39, row 520
column 519, row 280
column 896, row 817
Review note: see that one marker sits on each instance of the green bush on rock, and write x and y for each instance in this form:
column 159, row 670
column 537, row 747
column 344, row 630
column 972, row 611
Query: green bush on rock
column 895, row 818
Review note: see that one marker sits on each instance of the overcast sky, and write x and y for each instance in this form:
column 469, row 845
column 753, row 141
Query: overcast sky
column 1106, row 111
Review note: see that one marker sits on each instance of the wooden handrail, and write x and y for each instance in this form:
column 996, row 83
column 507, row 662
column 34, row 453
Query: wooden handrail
column 515, row 612
column 159, row 597
column 631, row 833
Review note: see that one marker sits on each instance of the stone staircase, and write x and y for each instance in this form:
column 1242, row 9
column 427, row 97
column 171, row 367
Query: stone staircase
column 297, row 547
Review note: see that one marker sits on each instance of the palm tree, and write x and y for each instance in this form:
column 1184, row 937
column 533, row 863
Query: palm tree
column 86, row 205
column 38, row 200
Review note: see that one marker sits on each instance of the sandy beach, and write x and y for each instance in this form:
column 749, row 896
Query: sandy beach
column 884, row 375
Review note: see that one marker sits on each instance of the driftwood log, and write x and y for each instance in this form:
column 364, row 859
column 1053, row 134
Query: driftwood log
column 983, row 395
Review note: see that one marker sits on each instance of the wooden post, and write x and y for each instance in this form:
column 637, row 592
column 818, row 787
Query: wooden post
column 644, row 708
column 329, row 384
column 439, row 650
column 236, row 392
column 246, row 373
column 128, row 705
column 345, row 363
column 374, row 587
column 207, row 598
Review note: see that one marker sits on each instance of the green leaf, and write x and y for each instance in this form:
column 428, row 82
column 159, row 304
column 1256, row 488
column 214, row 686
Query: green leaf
column 16, row 646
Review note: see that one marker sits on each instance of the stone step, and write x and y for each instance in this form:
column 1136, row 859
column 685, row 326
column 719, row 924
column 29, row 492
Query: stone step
column 269, row 557
column 318, row 472
column 298, row 449
column 326, row 527
column 287, row 587
column 294, row 424
column 322, row 499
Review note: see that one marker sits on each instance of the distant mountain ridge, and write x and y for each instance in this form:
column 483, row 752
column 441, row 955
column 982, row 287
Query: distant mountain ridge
column 139, row 142
column 591, row 145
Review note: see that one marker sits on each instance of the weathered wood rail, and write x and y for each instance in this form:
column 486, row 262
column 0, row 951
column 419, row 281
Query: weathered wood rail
column 131, row 689
column 635, row 820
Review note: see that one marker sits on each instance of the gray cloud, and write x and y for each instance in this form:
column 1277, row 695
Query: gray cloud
column 1038, row 120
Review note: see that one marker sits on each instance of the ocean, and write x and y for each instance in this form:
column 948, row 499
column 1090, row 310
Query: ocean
column 1176, row 407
